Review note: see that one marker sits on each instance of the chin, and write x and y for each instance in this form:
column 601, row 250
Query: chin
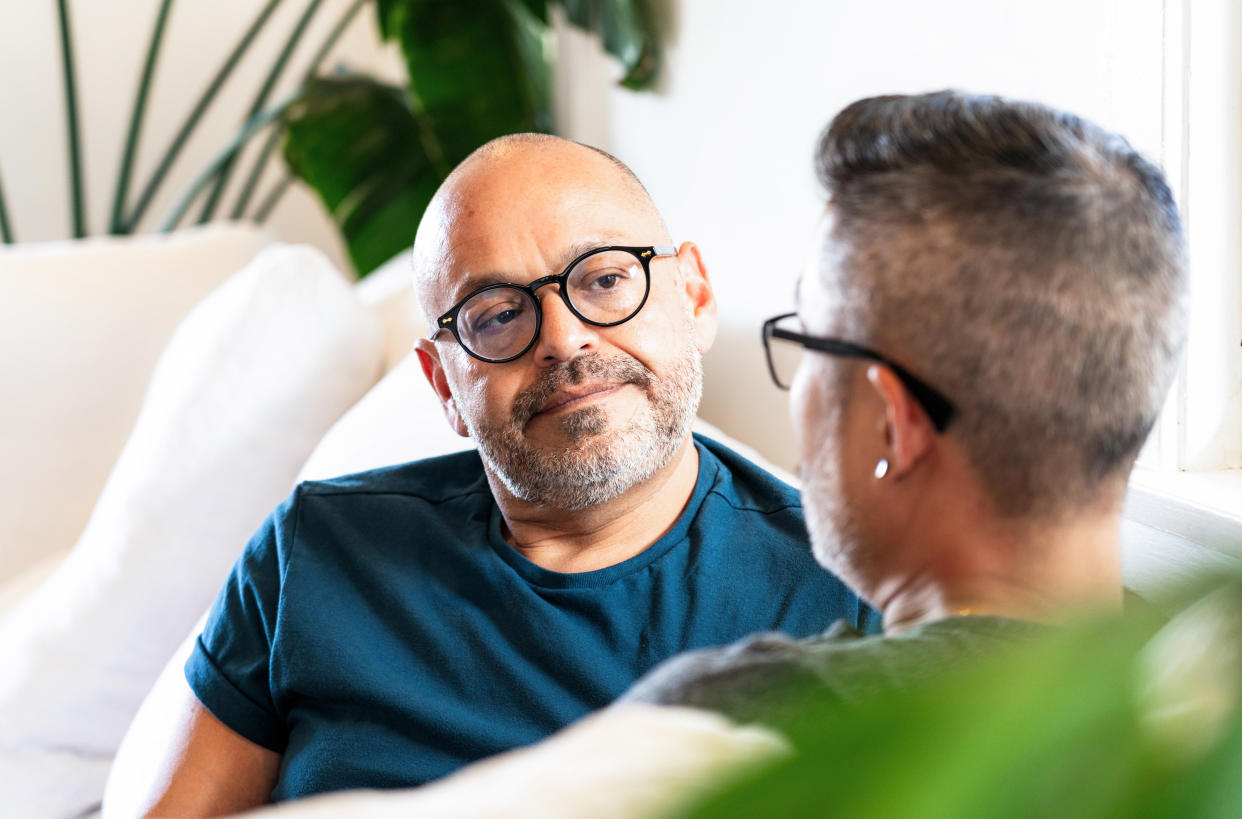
column 583, row 425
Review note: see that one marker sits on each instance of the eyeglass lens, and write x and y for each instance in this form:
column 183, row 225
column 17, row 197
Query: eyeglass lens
column 604, row 288
column 783, row 355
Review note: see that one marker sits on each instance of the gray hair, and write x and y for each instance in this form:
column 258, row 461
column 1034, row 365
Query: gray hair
column 1028, row 264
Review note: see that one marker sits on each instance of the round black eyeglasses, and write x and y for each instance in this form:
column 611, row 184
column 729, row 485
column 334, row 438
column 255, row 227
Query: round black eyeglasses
column 603, row 287
column 783, row 359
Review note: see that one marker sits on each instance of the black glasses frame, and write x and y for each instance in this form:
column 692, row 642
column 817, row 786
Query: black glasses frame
column 938, row 408
column 644, row 254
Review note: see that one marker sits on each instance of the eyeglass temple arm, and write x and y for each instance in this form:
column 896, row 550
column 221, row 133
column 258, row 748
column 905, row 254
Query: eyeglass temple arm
column 939, row 411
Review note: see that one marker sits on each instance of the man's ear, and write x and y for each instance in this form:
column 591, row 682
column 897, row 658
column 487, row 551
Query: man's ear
column 698, row 290
column 429, row 358
column 908, row 432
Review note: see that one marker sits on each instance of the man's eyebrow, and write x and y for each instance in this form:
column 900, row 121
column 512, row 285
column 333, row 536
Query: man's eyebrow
column 477, row 281
column 578, row 248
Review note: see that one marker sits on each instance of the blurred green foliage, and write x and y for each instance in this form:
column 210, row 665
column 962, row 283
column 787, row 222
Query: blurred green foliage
column 478, row 69
column 1121, row 717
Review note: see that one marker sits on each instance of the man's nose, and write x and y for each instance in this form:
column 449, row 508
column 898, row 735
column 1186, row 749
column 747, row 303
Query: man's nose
column 563, row 335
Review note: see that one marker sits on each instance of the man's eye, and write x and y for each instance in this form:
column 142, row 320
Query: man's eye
column 606, row 279
column 496, row 319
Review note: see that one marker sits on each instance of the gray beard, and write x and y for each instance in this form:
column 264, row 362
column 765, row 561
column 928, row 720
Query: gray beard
column 600, row 463
column 831, row 521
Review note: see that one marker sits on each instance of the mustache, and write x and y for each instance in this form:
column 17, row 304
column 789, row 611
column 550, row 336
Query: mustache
column 617, row 370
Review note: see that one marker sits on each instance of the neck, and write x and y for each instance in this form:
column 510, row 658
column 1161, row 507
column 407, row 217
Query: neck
column 1044, row 574
column 584, row 540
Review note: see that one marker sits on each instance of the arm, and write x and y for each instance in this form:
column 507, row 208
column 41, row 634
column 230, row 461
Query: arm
column 180, row 760
column 208, row 769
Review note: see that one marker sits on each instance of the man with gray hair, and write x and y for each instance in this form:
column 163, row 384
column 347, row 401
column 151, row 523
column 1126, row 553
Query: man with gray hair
column 994, row 315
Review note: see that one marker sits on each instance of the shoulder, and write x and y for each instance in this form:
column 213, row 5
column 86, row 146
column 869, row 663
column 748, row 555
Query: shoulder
column 434, row 480
column 964, row 635
column 757, row 517
column 353, row 519
column 902, row 661
column 728, row 678
column 354, row 512
column 743, row 484
column 751, row 539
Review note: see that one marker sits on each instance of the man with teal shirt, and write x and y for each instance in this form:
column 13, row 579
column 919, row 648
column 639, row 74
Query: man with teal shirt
column 385, row 629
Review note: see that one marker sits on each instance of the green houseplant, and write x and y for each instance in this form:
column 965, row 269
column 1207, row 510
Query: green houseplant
column 373, row 152
column 1137, row 715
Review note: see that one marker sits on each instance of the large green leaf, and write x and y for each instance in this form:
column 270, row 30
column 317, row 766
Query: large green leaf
column 357, row 143
column 470, row 76
column 628, row 33
column 478, row 69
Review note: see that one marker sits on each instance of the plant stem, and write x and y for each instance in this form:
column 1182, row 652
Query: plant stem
column 256, row 170
column 71, row 123
column 170, row 155
column 269, row 202
column 278, row 67
column 255, row 124
column 6, row 232
column 117, row 224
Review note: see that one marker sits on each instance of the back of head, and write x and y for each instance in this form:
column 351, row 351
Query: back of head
column 1027, row 264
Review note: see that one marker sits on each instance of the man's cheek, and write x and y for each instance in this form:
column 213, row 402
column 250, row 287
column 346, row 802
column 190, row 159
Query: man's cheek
column 472, row 403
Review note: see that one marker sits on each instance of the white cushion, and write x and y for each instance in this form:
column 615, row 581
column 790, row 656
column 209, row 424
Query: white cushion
column 250, row 381
column 389, row 291
column 140, row 765
column 81, row 327
column 14, row 589
column 399, row 420
column 626, row 762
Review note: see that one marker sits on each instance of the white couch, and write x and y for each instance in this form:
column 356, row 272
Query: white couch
column 162, row 395
column 165, row 394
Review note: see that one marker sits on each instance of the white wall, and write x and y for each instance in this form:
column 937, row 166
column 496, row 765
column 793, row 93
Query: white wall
column 110, row 40
column 1208, row 397
column 725, row 145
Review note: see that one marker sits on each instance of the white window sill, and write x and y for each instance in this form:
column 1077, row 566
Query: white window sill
column 1179, row 524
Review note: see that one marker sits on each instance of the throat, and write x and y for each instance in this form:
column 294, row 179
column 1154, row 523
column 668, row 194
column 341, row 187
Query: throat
column 585, row 540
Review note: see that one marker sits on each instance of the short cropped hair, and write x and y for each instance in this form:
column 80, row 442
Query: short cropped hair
column 1028, row 264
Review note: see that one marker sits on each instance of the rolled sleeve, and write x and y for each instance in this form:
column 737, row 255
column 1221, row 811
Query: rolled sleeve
column 230, row 668
column 230, row 704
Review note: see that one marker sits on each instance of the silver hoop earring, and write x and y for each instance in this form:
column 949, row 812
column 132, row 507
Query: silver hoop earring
column 881, row 468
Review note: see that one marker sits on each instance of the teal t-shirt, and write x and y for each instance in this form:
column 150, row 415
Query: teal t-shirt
column 379, row 632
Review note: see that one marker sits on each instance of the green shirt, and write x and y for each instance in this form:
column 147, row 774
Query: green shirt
column 764, row 677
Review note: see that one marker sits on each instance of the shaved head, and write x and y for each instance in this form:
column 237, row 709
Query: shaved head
column 519, row 171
